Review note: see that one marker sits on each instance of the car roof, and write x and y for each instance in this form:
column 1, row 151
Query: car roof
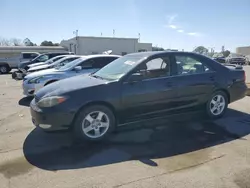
column 101, row 55
column 155, row 53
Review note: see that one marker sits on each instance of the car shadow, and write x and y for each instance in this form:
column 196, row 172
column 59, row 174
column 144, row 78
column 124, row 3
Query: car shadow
column 146, row 143
column 25, row 101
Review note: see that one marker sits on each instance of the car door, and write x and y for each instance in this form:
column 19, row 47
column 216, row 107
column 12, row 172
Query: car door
column 155, row 93
column 196, row 80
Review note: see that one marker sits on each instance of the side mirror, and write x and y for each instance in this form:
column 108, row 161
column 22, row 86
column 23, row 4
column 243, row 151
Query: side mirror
column 135, row 77
column 78, row 68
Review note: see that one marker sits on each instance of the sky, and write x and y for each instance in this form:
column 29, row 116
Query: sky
column 176, row 24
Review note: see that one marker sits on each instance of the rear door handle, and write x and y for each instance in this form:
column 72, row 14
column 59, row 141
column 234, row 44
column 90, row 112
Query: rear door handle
column 169, row 84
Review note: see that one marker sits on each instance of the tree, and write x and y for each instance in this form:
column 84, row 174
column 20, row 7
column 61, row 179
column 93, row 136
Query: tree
column 226, row 53
column 28, row 42
column 48, row 43
column 5, row 42
column 16, row 42
column 201, row 50
column 154, row 48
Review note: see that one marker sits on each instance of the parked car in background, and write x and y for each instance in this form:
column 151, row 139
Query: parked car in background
column 52, row 60
column 220, row 59
column 6, row 64
column 23, row 66
column 236, row 59
column 248, row 59
column 57, row 64
column 84, row 65
column 137, row 87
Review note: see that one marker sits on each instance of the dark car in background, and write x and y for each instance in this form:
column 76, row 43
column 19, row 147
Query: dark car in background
column 23, row 66
column 220, row 59
column 137, row 87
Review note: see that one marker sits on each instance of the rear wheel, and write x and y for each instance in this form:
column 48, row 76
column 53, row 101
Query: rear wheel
column 4, row 69
column 217, row 105
column 94, row 123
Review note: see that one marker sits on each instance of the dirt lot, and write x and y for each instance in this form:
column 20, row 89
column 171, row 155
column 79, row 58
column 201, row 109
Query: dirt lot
column 190, row 152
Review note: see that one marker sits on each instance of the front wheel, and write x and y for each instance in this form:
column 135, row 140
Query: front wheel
column 4, row 69
column 217, row 105
column 94, row 123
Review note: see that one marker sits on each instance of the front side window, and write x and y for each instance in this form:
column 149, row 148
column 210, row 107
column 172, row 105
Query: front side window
column 88, row 64
column 190, row 65
column 103, row 61
column 155, row 68
column 72, row 64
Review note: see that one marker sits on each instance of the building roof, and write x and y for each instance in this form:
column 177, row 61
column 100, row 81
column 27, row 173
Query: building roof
column 94, row 37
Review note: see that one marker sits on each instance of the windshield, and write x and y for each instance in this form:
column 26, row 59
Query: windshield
column 54, row 59
column 63, row 62
column 118, row 68
column 41, row 58
column 71, row 65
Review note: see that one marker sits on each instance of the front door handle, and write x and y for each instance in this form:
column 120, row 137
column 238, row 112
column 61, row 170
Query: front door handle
column 212, row 78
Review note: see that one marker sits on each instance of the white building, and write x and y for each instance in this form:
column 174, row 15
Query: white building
column 96, row 45
column 245, row 50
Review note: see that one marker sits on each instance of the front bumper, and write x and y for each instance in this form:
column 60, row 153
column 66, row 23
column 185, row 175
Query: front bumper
column 50, row 119
column 30, row 89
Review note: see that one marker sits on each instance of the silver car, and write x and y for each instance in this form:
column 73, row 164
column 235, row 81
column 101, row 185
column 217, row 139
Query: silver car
column 58, row 63
column 84, row 65
column 49, row 61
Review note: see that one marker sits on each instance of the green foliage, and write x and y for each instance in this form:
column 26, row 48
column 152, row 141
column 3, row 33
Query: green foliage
column 48, row 43
column 154, row 48
column 226, row 53
column 201, row 50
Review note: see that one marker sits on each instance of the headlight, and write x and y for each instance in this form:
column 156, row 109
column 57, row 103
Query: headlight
column 35, row 80
column 51, row 101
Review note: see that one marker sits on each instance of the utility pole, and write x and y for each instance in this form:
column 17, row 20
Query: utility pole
column 75, row 33
column 113, row 33
column 76, row 45
column 139, row 37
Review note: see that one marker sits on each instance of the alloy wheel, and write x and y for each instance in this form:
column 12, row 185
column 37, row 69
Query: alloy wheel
column 3, row 69
column 217, row 104
column 95, row 124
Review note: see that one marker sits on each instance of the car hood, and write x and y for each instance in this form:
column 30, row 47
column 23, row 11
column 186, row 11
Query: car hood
column 68, row 85
column 39, row 67
column 23, row 64
column 43, row 73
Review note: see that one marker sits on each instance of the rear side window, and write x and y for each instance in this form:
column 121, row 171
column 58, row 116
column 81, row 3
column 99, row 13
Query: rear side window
column 189, row 65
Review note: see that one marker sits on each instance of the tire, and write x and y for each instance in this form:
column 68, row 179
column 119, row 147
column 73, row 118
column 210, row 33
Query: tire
column 4, row 69
column 14, row 76
column 85, row 130
column 219, row 102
